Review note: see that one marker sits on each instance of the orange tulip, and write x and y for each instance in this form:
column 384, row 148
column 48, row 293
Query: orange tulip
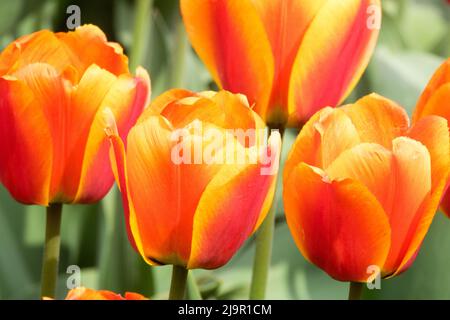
column 361, row 187
column 82, row 293
column 53, row 88
column 435, row 100
column 197, row 212
column 289, row 57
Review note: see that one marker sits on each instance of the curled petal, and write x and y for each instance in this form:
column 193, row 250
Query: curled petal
column 378, row 119
column 316, row 144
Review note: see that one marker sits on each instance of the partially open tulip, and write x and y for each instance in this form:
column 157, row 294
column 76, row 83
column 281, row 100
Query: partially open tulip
column 361, row 187
column 435, row 100
column 53, row 89
column 82, row 293
column 189, row 200
column 291, row 58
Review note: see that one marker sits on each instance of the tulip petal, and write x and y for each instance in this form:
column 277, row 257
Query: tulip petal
column 162, row 101
column 437, row 104
column 41, row 46
column 229, row 37
column 126, row 98
column 88, row 45
column 370, row 164
column 70, row 121
column 339, row 225
column 433, row 133
column 378, row 119
column 411, row 179
column 316, row 144
column 332, row 56
column 25, row 135
column 285, row 23
column 163, row 190
column 52, row 95
column 233, row 204
column 440, row 78
column 223, row 109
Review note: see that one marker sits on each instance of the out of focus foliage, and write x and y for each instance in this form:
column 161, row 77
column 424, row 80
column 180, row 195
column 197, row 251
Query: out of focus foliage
column 415, row 38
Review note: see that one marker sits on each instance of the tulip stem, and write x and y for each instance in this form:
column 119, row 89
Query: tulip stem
column 355, row 291
column 263, row 253
column 178, row 284
column 51, row 251
column 179, row 55
column 140, row 32
column 261, row 262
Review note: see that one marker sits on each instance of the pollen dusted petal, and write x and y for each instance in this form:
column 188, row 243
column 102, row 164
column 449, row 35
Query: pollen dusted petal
column 337, row 225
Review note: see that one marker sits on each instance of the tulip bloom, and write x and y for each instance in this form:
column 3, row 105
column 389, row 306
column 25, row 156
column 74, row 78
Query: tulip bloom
column 197, row 212
column 290, row 58
column 435, row 100
column 53, row 88
column 361, row 187
column 82, row 293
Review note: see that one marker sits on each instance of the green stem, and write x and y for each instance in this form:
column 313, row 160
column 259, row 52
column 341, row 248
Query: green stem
column 178, row 284
column 192, row 293
column 179, row 59
column 51, row 251
column 141, row 24
column 355, row 291
column 263, row 252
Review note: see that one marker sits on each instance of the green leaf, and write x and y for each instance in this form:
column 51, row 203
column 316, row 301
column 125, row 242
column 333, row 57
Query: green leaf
column 401, row 76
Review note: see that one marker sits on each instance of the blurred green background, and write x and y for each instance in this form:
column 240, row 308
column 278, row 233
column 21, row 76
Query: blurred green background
column 415, row 39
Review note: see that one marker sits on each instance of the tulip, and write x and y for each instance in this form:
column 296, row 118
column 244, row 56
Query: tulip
column 53, row 90
column 290, row 58
column 82, row 293
column 361, row 187
column 435, row 100
column 194, row 211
